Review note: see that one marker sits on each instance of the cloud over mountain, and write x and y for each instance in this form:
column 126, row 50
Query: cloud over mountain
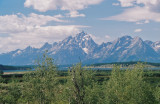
column 20, row 31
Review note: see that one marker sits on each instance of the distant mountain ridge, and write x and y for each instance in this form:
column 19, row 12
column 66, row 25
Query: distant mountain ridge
column 83, row 48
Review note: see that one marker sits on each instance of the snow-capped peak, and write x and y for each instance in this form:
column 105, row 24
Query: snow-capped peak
column 69, row 50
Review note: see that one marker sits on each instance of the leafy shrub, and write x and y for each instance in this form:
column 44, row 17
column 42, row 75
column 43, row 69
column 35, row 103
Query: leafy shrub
column 82, row 88
column 128, row 87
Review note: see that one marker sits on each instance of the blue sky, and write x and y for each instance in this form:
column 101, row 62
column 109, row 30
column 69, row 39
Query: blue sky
column 34, row 22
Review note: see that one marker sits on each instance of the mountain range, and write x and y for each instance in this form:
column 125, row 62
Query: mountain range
column 82, row 48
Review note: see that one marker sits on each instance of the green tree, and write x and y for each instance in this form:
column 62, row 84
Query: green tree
column 157, row 93
column 128, row 87
column 11, row 93
column 40, row 86
column 82, row 87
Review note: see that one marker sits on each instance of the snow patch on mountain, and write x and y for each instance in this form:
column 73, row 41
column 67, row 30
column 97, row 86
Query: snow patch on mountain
column 85, row 50
column 81, row 46
column 17, row 53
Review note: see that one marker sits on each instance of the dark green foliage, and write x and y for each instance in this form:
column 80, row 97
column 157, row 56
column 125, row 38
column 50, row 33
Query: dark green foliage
column 10, row 94
column 6, row 67
column 1, row 79
column 1, row 72
column 157, row 93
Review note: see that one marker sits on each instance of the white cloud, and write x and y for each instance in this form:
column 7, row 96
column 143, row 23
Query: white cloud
column 19, row 22
column 126, row 3
column 137, row 30
column 140, row 11
column 45, row 5
column 22, row 31
column 74, row 14
column 68, row 5
column 152, row 4
column 137, row 14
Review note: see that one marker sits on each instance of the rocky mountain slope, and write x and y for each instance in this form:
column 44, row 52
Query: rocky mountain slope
column 83, row 48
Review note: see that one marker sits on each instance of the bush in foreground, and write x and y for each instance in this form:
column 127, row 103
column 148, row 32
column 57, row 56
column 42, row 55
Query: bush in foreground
column 128, row 87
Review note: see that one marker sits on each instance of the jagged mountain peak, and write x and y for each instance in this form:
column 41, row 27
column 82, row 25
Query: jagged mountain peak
column 80, row 39
column 123, row 38
column 137, row 41
column 137, row 38
column 129, row 38
column 81, row 34
column 67, row 39
column 148, row 42
column 17, row 52
column 122, row 41
column 69, row 50
column 28, row 48
column 126, row 37
column 46, row 45
column 83, row 37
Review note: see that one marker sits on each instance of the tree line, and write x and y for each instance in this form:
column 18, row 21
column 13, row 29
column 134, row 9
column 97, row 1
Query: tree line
column 128, row 63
